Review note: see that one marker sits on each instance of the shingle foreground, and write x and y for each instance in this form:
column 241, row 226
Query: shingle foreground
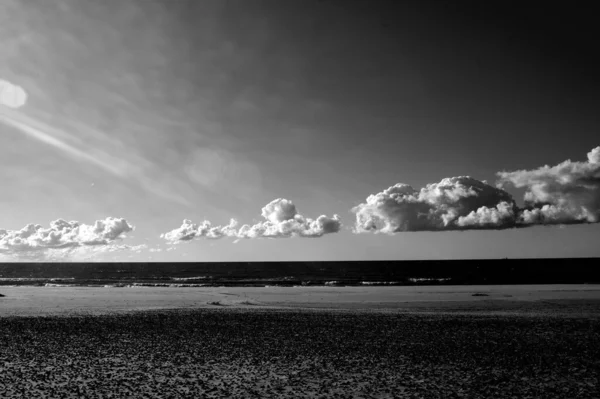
column 291, row 354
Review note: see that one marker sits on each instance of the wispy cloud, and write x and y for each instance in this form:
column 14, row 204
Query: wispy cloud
column 282, row 221
column 117, row 86
column 213, row 168
column 128, row 167
column 49, row 135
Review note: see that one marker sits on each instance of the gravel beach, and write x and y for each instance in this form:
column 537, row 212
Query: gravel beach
column 245, row 351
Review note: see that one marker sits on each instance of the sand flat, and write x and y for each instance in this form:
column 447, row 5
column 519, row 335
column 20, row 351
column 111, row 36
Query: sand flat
column 101, row 300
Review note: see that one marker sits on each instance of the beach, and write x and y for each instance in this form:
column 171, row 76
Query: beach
column 312, row 342
column 530, row 299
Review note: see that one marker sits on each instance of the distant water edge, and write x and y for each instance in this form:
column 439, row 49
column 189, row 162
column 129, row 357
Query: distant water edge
column 290, row 274
column 205, row 282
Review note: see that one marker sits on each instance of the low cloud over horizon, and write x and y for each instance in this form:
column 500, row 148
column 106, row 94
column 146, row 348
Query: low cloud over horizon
column 34, row 241
column 456, row 203
column 282, row 221
column 567, row 193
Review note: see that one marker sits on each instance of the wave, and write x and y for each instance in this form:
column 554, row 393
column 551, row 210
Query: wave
column 209, row 281
column 9, row 279
column 379, row 283
column 190, row 278
column 165, row 285
column 57, row 285
column 428, row 279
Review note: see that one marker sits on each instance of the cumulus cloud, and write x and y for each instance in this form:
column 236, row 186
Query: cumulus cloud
column 189, row 230
column 566, row 193
column 11, row 95
column 563, row 194
column 453, row 203
column 282, row 220
column 502, row 215
column 35, row 240
column 279, row 210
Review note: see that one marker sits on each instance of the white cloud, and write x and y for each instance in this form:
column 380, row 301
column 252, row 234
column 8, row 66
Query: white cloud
column 563, row 194
column 551, row 214
column 502, row 215
column 566, row 193
column 453, row 203
column 62, row 237
column 282, row 220
column 189, row 230
column 594, row 156
column 279, row 210
column 11, row 95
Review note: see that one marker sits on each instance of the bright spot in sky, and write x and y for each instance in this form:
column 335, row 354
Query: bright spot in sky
column 11, row 95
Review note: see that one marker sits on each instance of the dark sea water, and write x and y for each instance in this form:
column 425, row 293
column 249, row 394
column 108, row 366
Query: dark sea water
column 355, row 273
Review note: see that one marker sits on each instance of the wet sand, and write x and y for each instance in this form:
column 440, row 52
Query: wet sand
column 309, row 342
column 579, row 299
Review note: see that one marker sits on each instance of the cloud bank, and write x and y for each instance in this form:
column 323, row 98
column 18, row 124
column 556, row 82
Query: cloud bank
column 566, row 193
column 282, row 221
column 11, row 95
column 34, row 240
column 563, row 194
column 453, row 203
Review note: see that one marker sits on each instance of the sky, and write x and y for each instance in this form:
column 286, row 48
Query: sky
column 327, row 130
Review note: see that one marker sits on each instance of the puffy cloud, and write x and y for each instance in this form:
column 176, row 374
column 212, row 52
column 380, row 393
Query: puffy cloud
column 502, row 215
column 563, row 194
column 551, row 214
column 594, row 156
column 566, row 193
column 282, row 220
column 279, row 210
column 11, row 95
column 189, row 231
column 33, row 239
column 453, row 203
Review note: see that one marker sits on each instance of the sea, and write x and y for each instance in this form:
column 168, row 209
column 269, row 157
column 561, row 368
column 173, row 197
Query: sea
column 339, row 273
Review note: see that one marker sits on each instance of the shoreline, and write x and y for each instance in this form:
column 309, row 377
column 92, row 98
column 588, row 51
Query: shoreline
column 580, row 300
